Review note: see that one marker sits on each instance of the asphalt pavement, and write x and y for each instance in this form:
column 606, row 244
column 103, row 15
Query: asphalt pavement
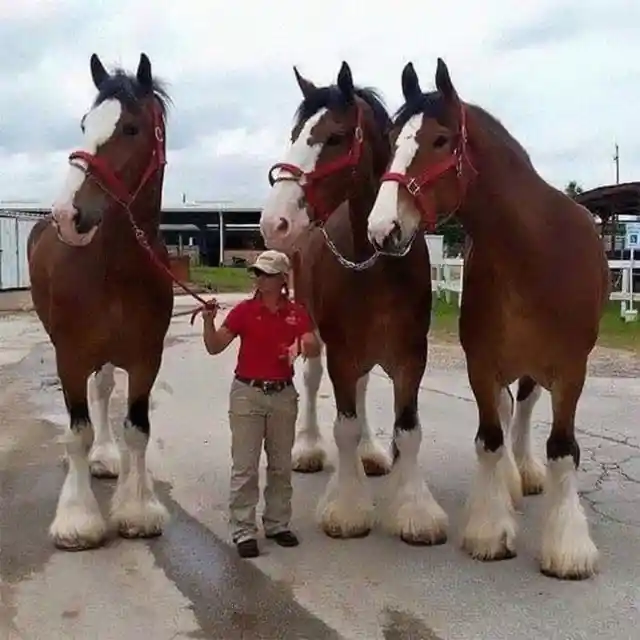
column 189, row 583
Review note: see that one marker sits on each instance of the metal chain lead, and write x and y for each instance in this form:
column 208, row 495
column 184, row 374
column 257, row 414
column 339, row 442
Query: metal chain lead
column 369, row 262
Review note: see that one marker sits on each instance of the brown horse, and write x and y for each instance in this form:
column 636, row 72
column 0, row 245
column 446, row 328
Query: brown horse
column 103, row 301
column 535, row 286
column 373, row 312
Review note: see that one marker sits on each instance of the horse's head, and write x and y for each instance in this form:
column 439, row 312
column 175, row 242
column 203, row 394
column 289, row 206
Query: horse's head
column 122, row 154
column 339, row 143
column 430, row 161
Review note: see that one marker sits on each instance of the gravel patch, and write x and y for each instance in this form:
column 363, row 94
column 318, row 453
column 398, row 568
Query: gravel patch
column 603, row 363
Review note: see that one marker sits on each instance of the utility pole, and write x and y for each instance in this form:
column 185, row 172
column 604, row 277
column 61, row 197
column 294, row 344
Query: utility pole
column 616, row 159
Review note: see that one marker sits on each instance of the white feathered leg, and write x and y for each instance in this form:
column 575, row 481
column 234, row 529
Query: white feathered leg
column 78, row 523
column 346, row 509
column 104, row 457
column 567, row 549
column 135, row 509
column 531, row 467
column 410, row 511
column 309, row 454
column 376, row 459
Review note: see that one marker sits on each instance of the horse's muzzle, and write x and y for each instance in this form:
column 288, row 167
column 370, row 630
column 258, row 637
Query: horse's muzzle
column 73, row 229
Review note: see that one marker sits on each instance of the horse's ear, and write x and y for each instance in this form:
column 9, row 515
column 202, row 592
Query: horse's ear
column 345, row 82
column 410, row 83
column 143, row 74
column 443, row 81
column 98, row 73
column 306, row 86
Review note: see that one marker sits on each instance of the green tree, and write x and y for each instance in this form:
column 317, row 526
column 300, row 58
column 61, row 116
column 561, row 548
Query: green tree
column 573, row 189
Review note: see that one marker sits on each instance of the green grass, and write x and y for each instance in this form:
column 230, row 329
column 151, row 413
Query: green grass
column 614, row 332
column 223, row 279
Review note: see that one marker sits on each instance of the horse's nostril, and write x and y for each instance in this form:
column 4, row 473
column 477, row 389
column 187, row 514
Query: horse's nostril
column 283, row 225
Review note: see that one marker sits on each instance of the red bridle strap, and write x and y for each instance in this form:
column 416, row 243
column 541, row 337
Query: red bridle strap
column 308, row 181
column 414, row 184
column 107, row 179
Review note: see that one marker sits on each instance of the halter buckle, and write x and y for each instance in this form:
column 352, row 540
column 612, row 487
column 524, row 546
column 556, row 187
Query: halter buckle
column 413, row 187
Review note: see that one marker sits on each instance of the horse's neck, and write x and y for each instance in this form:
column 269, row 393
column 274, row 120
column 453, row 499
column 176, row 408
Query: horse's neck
column 493, row 203
column 121, row 235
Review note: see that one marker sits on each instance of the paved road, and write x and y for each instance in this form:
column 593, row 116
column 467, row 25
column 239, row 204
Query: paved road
column 189, row 583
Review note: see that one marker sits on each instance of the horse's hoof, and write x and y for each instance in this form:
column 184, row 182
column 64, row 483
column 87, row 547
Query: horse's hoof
column 338, row 534
column 424, row 541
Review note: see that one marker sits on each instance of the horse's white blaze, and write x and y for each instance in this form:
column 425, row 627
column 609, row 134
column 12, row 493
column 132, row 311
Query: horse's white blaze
column 346, row 509
column 308, row 452
column 104, row 457
column 388, row 209
column 373, row 455
column 411, row 511
column 99, row 125
column 490, row 528
column 78, row 522
column 135, row 509
column 530, row 466
column 284, row 199
column 567, row 548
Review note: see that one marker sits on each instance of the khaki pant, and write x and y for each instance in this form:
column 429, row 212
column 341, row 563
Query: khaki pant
column 256, row 417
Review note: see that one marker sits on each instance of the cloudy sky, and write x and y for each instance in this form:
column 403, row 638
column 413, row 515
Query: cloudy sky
column 562, row 75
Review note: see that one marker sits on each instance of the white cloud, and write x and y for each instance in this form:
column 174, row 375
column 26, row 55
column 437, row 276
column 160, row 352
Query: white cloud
column 563, row 76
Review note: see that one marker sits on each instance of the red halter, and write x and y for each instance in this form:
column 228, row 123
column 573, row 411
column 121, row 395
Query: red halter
column 309, row 181
column 107, row 179
column 414, row 185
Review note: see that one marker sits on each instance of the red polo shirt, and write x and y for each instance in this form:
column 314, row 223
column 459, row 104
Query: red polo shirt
column 265, row 337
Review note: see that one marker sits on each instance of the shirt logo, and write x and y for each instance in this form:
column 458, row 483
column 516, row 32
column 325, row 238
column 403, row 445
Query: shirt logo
column 291, row 318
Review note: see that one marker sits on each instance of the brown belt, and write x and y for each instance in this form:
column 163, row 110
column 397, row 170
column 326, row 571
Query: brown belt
column 266, row 386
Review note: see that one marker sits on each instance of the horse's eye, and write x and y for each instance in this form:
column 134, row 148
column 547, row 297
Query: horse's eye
column 129, row 129
column 334, row 140
column 440, row 141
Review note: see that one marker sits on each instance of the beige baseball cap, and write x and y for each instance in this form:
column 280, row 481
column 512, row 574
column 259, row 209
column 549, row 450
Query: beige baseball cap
column 271, row 262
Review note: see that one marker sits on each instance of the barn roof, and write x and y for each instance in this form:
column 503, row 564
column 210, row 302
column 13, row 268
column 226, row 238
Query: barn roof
column 615, row 199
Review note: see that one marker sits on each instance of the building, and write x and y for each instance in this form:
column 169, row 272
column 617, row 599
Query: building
column 613, row 205
column 223, row 236
column 212, row 236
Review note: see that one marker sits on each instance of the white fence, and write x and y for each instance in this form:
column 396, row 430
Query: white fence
column 14, row 268
column 449, row 272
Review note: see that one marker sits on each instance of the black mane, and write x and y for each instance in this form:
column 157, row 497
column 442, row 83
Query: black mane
column 332, row 98
column 125, row 87
column 432, row 105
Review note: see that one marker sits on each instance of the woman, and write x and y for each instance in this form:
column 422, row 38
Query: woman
column 263, row 403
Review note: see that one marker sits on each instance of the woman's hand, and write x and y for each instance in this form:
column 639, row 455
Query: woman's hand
column 293, row 351
column 210, row 311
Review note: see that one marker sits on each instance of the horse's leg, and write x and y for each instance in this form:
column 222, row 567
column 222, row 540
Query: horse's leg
column 567, row 549
column 104, row 458
column 506, row 404
column 530, row 466
column 490, row 528
column 135, row 509
column 346, row 508
column 410, row 510
column 78, row 523
column 375, row 458
column 308, row 453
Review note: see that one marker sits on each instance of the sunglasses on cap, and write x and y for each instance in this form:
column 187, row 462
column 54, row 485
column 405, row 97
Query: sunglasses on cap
column 259, row 272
